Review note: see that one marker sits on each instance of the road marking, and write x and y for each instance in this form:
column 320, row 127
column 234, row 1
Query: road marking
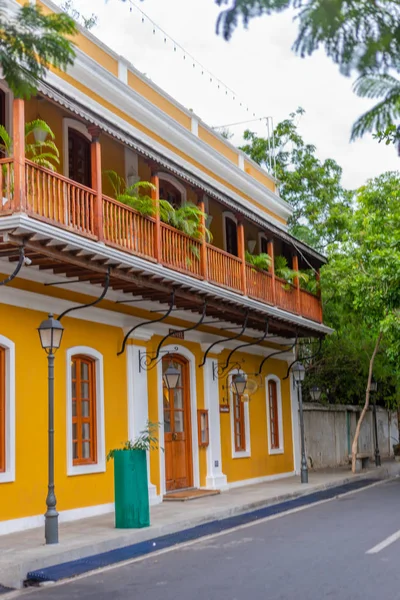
column 30, row 590
column 387, row 542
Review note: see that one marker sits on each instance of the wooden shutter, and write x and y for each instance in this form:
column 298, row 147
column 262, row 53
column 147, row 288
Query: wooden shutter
column 2, row 409
column 273, row 414
column 84, row 428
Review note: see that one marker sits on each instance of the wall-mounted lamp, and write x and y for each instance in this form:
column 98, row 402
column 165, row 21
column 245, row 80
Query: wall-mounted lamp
column 251, row 244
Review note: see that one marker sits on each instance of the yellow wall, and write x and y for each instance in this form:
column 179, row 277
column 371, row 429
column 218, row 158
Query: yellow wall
column 218, row 144
column 26, row 496
column 260, row 463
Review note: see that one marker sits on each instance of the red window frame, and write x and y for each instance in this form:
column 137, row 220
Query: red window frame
column 273, row 414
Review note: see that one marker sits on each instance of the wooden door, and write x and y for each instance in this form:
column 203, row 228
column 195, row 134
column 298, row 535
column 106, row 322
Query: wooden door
column 79, row 158
column 177, row 429
column 231, row 236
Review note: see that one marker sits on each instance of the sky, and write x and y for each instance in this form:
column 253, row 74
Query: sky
column 257, row 64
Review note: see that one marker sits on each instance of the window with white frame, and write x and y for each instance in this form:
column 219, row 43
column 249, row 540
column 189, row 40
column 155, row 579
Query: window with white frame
column 240, row 425
column 7, row 410
column 274, row 415
column 85, row 411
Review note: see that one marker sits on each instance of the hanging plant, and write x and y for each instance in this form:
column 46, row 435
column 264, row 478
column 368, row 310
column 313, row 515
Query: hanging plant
column 259, row 261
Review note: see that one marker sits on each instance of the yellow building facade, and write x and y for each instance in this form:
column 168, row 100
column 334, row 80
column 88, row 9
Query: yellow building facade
column 167, row 298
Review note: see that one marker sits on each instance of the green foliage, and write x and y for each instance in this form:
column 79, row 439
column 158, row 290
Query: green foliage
column 44, row 153
column 87, row 22
column 186, row 218
column 147, row 440
column 357, row 35
column 283, row 271
column 30, row 43
column 259, row 261
column 384, row 114
column 322, row 207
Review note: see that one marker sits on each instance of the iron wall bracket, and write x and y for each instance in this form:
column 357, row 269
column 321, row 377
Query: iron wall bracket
column 99, row 299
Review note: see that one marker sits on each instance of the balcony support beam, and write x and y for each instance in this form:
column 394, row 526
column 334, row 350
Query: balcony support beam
column 241, row 255
column 19, row 200
column 95, row 152
column 271, row 253
column 155, row 194
column 296, row 282
column 203, row 248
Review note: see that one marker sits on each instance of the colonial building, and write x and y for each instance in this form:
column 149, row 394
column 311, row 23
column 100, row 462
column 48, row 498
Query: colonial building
column 150, row 296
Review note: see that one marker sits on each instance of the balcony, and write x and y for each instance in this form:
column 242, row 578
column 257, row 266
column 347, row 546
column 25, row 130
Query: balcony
column 59, row 201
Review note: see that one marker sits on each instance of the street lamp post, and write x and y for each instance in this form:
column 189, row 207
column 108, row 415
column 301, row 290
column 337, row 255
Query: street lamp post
column 373, row 388
column 50, row 333
column 299, row 374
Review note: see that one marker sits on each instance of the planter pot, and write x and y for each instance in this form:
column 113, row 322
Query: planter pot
column 131, row 489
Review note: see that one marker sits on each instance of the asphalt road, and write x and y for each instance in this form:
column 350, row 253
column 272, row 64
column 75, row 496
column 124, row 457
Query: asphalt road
column 317, row 553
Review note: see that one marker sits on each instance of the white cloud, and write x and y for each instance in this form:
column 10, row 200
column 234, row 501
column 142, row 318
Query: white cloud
column 257, row 63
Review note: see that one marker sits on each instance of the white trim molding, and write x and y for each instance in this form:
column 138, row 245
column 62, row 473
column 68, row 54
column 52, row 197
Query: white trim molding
column 276, row 379
column 182, row 351
column 215, row 479
column 100, row 465
column 8, row 475
column 78, row 126
column 241, row 453
column 138, row 403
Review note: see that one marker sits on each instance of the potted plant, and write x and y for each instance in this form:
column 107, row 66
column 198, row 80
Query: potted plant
column 130, row 479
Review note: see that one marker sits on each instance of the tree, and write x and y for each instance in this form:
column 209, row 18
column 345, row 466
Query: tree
column 357, row 34
column 311, row 186
column 363, row 273
column 30, row 43
column 382, row 116
column 87, row 22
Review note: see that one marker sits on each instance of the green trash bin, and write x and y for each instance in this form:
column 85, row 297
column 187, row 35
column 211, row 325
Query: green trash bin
column 131, row 489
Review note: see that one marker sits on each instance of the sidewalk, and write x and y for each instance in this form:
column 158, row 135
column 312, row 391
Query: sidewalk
column 25, row 551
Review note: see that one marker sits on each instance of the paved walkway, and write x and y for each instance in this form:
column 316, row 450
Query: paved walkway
column 25, row 551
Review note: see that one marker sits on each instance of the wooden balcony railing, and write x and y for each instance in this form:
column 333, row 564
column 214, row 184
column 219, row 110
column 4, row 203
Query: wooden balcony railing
column 224, row 269
column 56, row 199
column 259, row 284
column 60, row 201
column 179, row 251
column 285, row 294
column 125, row 228
column 6, row 184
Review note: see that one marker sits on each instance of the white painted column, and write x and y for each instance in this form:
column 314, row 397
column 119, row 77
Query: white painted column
column 294, row 402
column 138, row 405
column 215, row 478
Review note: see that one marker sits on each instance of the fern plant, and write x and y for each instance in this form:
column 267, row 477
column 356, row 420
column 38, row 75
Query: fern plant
column 147, row 440
column 44, row 154
column 283, row 271
column 259, row 261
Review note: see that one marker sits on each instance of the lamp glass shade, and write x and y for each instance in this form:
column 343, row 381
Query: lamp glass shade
column 299, row 372
column 50, row 333
column 171, row 377
column 315, row 393
column 251, row 244
column 239, row 383
column 40, row 135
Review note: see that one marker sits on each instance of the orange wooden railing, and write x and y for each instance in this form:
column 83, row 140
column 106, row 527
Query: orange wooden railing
column 56, row 199
column 6, row 184
column 59, row 200
column 311, row 307
column 180, row 251
column 125, row 228
column 259, row 284
column 224, row 269
column 285, row 295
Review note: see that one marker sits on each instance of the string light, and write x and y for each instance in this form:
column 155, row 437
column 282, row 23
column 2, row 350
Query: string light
column 195, row 62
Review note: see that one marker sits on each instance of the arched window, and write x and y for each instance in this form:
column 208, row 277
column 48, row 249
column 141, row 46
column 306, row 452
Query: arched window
column 79, row 162
column 84, row 430
column 169, row 192
column 240, row 424
column 274, row 415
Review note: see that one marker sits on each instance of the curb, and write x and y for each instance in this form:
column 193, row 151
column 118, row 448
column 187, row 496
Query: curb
column 81, row 566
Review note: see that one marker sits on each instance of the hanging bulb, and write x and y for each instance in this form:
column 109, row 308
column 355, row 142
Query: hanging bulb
column 142, row 19
column 165, row 40
column 174, row 48
column 154, row 30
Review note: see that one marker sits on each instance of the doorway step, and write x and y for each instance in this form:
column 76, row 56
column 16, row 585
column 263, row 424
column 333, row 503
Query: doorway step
column 192, row 494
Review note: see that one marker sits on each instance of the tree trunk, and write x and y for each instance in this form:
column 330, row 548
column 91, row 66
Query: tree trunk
column 354, row 446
